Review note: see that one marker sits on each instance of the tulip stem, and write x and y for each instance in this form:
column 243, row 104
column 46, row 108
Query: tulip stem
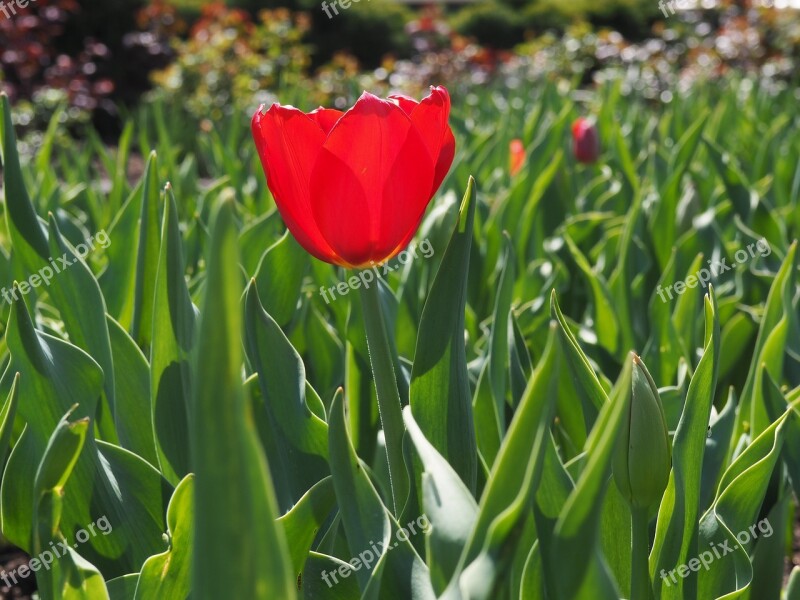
column 389, row 406
column 641, row 588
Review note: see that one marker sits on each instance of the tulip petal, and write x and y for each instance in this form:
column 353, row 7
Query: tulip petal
column 445, row 160
column 431, row 117
column 405, row 102
column 372, row 181
column 326, row 118
column 288, row 143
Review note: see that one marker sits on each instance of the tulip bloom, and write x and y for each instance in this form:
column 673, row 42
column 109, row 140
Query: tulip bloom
column 516, row 152
column 353, row 187
column 585, row 141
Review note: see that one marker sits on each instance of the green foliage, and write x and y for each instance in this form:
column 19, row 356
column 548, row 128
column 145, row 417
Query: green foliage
column 211, row 428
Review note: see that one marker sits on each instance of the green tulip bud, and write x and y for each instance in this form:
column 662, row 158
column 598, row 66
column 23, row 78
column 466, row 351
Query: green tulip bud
column 643, row 457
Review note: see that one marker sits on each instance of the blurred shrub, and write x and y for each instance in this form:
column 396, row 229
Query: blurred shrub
column 552, row 15
column 490, row 24
column 632, row 18
column 229, row 58
column 369, row 30
column 40, row 76
column 503, row 23
column 49, row 57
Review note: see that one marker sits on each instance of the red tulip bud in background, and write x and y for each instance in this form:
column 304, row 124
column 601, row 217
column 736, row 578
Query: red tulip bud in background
column 516, row 152
column 585, row 141
column 353, row 187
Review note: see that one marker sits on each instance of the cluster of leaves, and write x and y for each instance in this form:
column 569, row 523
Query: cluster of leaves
column 209, row 400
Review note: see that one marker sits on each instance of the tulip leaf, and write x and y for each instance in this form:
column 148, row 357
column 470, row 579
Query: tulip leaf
column 168, row 575
column 300, row 450
column 498, row 341
column 397, row 571
column 675, row 540
column 509, row 491
column 8, row 413
column 577, row 528
column 736, row 507
column 304, row 521
column 107, row 481
column 279, row 277
column 132, row 375
column 147, row 256
column 233, row 487
column 328, row 578
column 447, row 504
column 173, row 322
column 440, row 394
column 68, row 576
column 770, row 346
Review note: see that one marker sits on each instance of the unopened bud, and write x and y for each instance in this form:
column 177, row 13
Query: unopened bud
column 643, row 457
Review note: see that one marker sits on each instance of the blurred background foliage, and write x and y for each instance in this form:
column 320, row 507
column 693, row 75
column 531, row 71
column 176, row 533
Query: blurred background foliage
column 100, row 60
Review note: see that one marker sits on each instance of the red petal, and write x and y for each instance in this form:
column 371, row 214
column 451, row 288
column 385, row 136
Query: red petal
column 288, row 143
column 407, row 103
column 326, row 118
column 445, row 160
column 431, row 119
column 372, row 181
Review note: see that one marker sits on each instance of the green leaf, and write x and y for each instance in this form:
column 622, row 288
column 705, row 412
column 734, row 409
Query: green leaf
column 300, row 451
column 107, row 481
column 448, row 505
column 172, row 342
column 73, row 288
column 146, row 257
column 233, row 488
column 7, row 414
column 395, row 571
column 305, row 519
column 576, row 532
column 498, row 340
column 68, row 576
column 440, row 395
column 510, row 489
column 279, row 278
column 793, row 588
column 676, row 538
column 736, row 508
column 770, row 348
column 605, row 318
column 122, row 588
column 132, row 376
column 168, row 575
column 328, row 578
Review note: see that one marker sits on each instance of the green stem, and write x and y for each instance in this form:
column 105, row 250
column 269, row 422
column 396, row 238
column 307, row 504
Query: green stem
column 389, row 406
column 641, row 588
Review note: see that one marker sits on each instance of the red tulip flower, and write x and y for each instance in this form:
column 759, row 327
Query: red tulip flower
column 585, row 141
column 516, row 153
column 353, row 187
